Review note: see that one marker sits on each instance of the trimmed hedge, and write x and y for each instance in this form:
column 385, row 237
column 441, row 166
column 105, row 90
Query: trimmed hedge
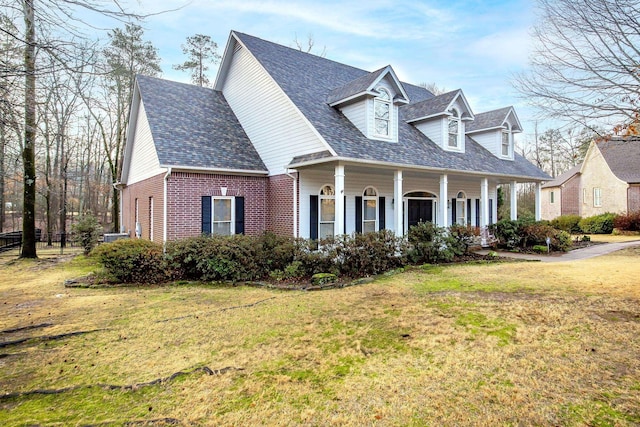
column 598, row 224
column 133, row 261
column 568, row 223
column 524, row 234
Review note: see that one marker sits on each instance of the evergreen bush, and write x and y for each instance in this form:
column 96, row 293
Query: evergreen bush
column 133, row 261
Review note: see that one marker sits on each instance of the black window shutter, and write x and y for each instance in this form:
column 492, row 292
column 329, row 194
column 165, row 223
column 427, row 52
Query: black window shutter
column 344, row 219
column 239, row 215
column 381, row 214
column 206, row 214
column 490, row 211
column 453, row 211
column 468, row 211
column 477, row 212
column 358, row 214
column 313, row 217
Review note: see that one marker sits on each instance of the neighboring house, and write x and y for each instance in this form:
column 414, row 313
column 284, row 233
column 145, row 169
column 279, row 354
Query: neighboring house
column 562, row 195
column 300, row 145
column 608, row 180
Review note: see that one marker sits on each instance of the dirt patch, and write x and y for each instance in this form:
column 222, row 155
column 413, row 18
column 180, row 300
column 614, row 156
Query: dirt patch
column 619, row 316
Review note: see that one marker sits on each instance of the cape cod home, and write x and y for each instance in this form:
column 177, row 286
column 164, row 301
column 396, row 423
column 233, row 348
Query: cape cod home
column 301, row 145
column 608, row 180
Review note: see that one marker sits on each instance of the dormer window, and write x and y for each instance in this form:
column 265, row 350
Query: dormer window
column 454, row 129
column 506, row 140
column 382, row 113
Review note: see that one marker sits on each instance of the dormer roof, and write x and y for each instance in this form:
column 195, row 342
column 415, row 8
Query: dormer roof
column 495, row 119
column 365, row 85
column 437, row 106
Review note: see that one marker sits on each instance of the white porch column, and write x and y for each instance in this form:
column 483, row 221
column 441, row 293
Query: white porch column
column 443, row 217
column 338, row 225
column 514, row 200
column 397, row 206
column 538, row 201
column 484, row 203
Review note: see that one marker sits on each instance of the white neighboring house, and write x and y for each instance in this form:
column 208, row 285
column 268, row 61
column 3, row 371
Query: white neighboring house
column 304, row 146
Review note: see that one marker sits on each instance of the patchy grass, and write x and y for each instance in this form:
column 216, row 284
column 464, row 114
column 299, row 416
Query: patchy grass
column 497, row 344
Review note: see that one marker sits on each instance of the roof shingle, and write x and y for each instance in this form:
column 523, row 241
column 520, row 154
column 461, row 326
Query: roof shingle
column 194, row 127
column 623, row 157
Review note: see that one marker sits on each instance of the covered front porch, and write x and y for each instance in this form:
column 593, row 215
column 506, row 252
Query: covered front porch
column 342, row 198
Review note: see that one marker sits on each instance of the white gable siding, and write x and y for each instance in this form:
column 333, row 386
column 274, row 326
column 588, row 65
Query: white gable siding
column 357, row 114
column 144, row 158
column 489, row 140
column 433, row 129
column 274, row 126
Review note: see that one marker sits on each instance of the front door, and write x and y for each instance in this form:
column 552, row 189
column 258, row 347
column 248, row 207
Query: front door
column 419, row 211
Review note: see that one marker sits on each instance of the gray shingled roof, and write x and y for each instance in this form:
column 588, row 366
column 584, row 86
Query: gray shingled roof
column 354, row 87
column 488, row 119
column 623, row 157
column 429, row 107
column 562, row 178
column 305, row 79
column 194, row 127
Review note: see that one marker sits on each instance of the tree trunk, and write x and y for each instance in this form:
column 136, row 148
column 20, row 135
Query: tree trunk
column 28, row 150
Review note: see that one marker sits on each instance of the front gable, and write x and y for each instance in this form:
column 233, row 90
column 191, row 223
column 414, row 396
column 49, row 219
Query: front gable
column 442, row 119
column 494, row 130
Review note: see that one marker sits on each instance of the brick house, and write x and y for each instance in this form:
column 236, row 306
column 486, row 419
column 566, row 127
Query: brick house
column 608, row 180
column 304, row 146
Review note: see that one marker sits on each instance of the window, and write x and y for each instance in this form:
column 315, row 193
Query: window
column 460, row 209
column 222, row 216
column 369, row 210
column 382, row 113
column 584, row 196
column 506, row 140
column 327, row 212
column 552, row 197
column 454, row 129
column 597, row 197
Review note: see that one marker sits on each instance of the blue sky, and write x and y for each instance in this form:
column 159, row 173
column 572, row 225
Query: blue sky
column 473, row 45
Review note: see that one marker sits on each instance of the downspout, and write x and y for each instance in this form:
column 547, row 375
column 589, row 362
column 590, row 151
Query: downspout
column 295, row 201
column 119, row 186
column 164, row 206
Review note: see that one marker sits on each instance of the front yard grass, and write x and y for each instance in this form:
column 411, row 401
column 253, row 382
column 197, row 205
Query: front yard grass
column 497, row 344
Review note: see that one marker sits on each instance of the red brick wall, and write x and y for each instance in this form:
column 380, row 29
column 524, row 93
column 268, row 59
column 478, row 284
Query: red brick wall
column 633, row 198
column 280, row 204
column 571, row 196
column 143, row 190
column 184, row 196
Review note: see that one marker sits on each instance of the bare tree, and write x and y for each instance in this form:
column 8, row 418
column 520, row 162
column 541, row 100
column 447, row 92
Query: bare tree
column 201, row 51
column 309, row 45
column 433, row 88
column 584, row 65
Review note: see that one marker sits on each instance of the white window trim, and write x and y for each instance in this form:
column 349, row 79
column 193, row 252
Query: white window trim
column 509, row 134
column 232, row 228
column 455, row 116
column 364, row 204
column 390, row 122
column 320, row 221
column 464, row 208
column 597, row 197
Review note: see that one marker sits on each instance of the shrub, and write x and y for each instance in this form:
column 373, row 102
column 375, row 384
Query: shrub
column 628, row 222
column 275, row 252
column 428, row 244
column 540, row 249
column 132, row 261
column 87, row 231
column 462, row 236
column 568, row 223
column 507, row 232
column 598, row 224
column 368, row 253
column 536, row 234
column 214, row 258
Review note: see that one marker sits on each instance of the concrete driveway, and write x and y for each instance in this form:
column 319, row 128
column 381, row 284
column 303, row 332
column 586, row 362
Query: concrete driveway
column 574, row 255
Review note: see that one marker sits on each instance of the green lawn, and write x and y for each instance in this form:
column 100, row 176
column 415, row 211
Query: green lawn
column 499, row 344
